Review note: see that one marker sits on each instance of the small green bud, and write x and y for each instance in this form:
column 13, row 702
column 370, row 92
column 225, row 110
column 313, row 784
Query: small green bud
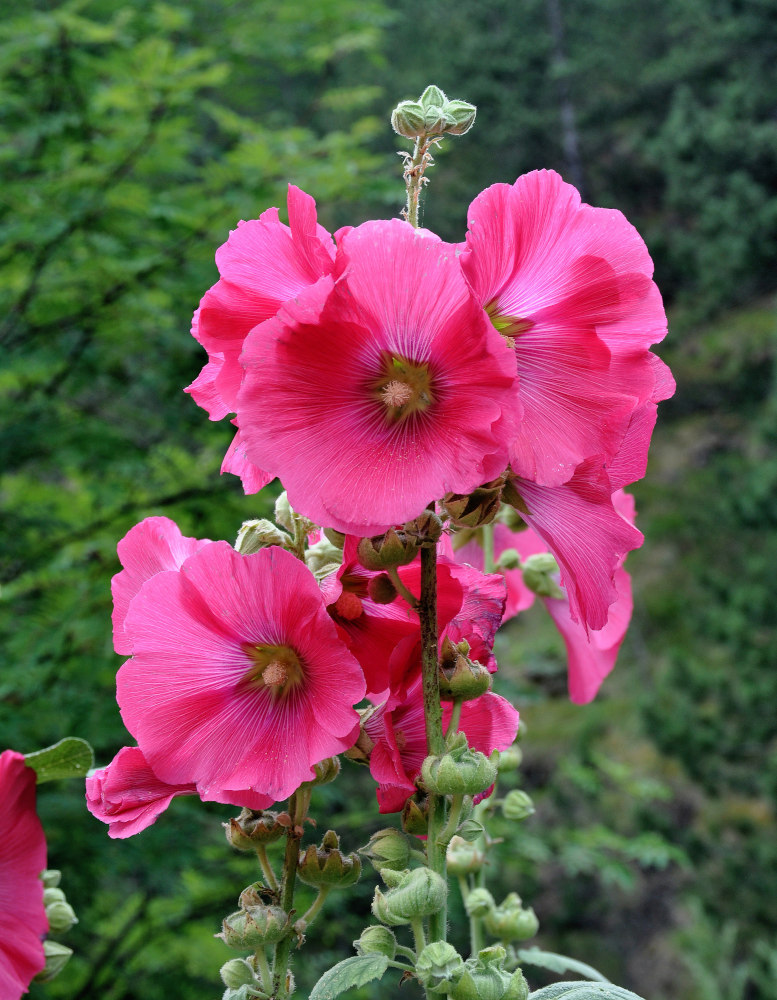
column 326, row 770
column 461, row 116
column 471, row 829
column 419, row 893
column 517, row 988
column 479, row 903
column 388, row 849
column 433, row 97
column 381, row 589
column 510, row 921
column 254, row 926
column 415, row 815
column 464, row 858
column 460, row 678
column 259, row 534
column 439, row 966
column 538, row 574
column 517, row 805
column 60, row 916
column 337, row 538
column 57, row 956
column 323, row 554
column 326, row 866
column 461, row 771
column 236, row 973
column 395, row 548
column 53, row 895
column 485, row 977
column 509, row 759
column 284, row 512
column 252, row 828
column 51, row 878
column 509, row 559
column 376, row 940
column 407, row 119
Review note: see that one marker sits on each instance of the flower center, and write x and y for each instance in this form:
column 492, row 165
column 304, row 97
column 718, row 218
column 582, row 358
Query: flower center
column 275, row 667
column 403, row 388
column 509, row 326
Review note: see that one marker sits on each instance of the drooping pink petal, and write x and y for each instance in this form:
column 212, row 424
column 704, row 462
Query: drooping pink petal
column 22, row 859
column 572, row 285
column 587, row 536
column 236, row 462
column 150, row 547
column 193, row 696
column 357, row 448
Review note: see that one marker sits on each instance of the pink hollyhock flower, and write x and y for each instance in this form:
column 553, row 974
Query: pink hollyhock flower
column 150, row 547
column 399, row 736
column 262, row 265
column 376, row 395
column 571, row 286
column 129, row 797
column 22, row 859
column 238, row 681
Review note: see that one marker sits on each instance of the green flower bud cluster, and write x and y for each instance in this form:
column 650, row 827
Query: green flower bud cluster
column 461, row 771
column 485, row 978
column 410, row 894
column 61, row 918
column 326, row 867
column 433, row 114
column 439, row 967
column 251, row 829
column 539, row 572
column 510, row 921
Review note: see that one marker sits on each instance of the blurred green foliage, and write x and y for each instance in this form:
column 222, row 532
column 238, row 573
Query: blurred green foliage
column 132, row 138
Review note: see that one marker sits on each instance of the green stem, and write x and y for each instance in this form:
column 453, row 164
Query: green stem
column 453, row 821
column 453, row 723
column 264, row 861
column 417, row 925
column 408, row 595
column 488, row 548
column 290, row 863
column 406, row 952
column 316, row 905
column 414, row 177
column 264, row 969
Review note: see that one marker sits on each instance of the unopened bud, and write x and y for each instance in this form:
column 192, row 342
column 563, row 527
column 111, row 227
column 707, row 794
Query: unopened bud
column 376, row 940
column 337, row 538
column 460, row 678
column 60, row 916
column 460, row 115
column 326, row 866
column 252, row 828
column 427, row 528
column 509, row 559
column 509, row 759
column 485, row 978
column 56, row 956
column 538, row 574
column 517, row 805
column 236, row 973
column 326, row 770
column 419, row 893
column 408, row 119
column 395, row 548
column 53, row 895
column 415, row 815
column 388, row 848
column 259, row 534
column 438, row 967
column 464, row 858
column 510, row 921
column 254, row 926
column 479, row 903
column 323, row 555
column 51, row 878
column 461, row 771
column 433, row 97
column 381, row 589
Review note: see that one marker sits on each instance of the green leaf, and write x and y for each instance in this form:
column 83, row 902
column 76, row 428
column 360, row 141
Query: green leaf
column 583, row 991
column 70, row 758
column 559, row 963
column 354, row 971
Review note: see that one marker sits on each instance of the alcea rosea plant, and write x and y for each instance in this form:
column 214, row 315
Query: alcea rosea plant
column 454, row 427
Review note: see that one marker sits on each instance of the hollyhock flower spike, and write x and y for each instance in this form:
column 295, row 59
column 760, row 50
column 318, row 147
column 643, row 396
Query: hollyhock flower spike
column 238, row 680
column 374, row 397
column 22, row 859
column 262, row 265
column 571, row 287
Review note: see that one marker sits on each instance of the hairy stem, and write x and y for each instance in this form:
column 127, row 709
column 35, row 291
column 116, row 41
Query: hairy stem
column 264, row 861
column 290, row 863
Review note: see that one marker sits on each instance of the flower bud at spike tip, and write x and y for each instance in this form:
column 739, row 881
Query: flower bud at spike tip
column 407, row 119
column 510, row 921
column 460, row 678
column 376, row 940
column 439, row 966
column 236, row 973
column 461, row 116
column 433, row 97
column 254, row 926
column 517, row 805
column 485, row 978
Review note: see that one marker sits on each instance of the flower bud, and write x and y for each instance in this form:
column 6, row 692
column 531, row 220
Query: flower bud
column 381, row 589
column 323, row 555
column 419, row 893
column 538, row 574
column 509, row 759
column 53, row 895
column 517, row 805
column 326, row 866
column 326, row 770
column 485, row 978
column 376, row 940
column 509, row 559
column 464, row 858
column 57, row 956
column 254, row 926
column 337, row 538
column 427, row 528
column 395, row 548
column 461, row 771
column 236, row 973
column 433, row 97
column 415, row 815
column 51, row 878
column 259, row 534
column 471, row 829
column 470, row 510
column 479, row 903
column 388, row 849
column 287, row 517
column 510, row 921
column 252, row 828
column 439, row 966
column 60, row 916
column 460, row 678
column 407, row 119
column 461, row 116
